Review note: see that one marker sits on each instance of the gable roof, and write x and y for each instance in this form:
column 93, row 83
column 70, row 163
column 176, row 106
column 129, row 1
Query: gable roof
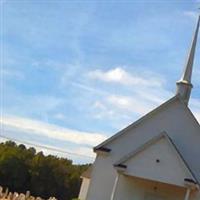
column 123, row 160
column 148, row 115
column 173, row 99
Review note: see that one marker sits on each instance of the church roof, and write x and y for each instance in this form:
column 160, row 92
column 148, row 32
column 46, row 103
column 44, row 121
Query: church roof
column 136, row 123
column 122, row 162
column 148, row 115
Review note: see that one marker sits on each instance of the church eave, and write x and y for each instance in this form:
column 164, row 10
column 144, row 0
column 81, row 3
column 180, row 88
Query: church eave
column 102, row 149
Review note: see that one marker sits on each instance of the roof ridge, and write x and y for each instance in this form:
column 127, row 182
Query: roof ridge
column 138, row 121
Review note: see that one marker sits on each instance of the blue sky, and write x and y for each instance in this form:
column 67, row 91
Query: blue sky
column 76, row 72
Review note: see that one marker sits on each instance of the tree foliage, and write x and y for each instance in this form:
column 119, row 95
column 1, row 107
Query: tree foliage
column 23, row 169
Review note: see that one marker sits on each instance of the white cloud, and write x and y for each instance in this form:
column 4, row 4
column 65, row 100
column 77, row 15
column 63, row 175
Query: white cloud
column 195, row 78
column 141, row 99
column 59, row 116
column 42, row 105
column 142, row 92
column 121, row 110
column 8, row 73
column 195, row 107
column 52, row 131
column 148, row 93
column 129, row 104
column 103, row 111
column 155, row 96
column 119, row 75
column 88, row 88
column 191, row 14
column 116, row 117
column 116, row 107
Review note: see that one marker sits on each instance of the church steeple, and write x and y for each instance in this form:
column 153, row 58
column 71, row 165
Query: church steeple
column 184, row 86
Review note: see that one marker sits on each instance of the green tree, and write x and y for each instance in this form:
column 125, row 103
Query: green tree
column 23, row 169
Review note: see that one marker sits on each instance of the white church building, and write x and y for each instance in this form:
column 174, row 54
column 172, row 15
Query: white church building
column 155, row 158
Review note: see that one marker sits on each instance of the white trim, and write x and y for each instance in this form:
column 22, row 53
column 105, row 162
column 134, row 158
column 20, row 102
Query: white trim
column 114, row 187
column 187, row 195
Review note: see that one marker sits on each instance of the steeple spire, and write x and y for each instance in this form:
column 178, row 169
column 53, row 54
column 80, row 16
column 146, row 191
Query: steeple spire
column 184, row 86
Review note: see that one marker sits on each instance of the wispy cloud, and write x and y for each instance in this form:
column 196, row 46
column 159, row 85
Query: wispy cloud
column 59, row 116
column 89, row 88
column 120, row 107
column 51, row 131
column 8, row 73
column 191, row 14
column 129, row 104
column 145, row 91
column 134, row 97
column 30, row 104
column 195, row 107
column 119, row 75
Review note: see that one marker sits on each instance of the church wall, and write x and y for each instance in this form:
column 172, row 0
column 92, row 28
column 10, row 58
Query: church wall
column 102, row 179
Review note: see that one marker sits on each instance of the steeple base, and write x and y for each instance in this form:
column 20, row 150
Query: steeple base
column 184, row 90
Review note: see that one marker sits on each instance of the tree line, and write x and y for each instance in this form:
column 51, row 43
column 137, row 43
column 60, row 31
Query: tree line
column 23, row 169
